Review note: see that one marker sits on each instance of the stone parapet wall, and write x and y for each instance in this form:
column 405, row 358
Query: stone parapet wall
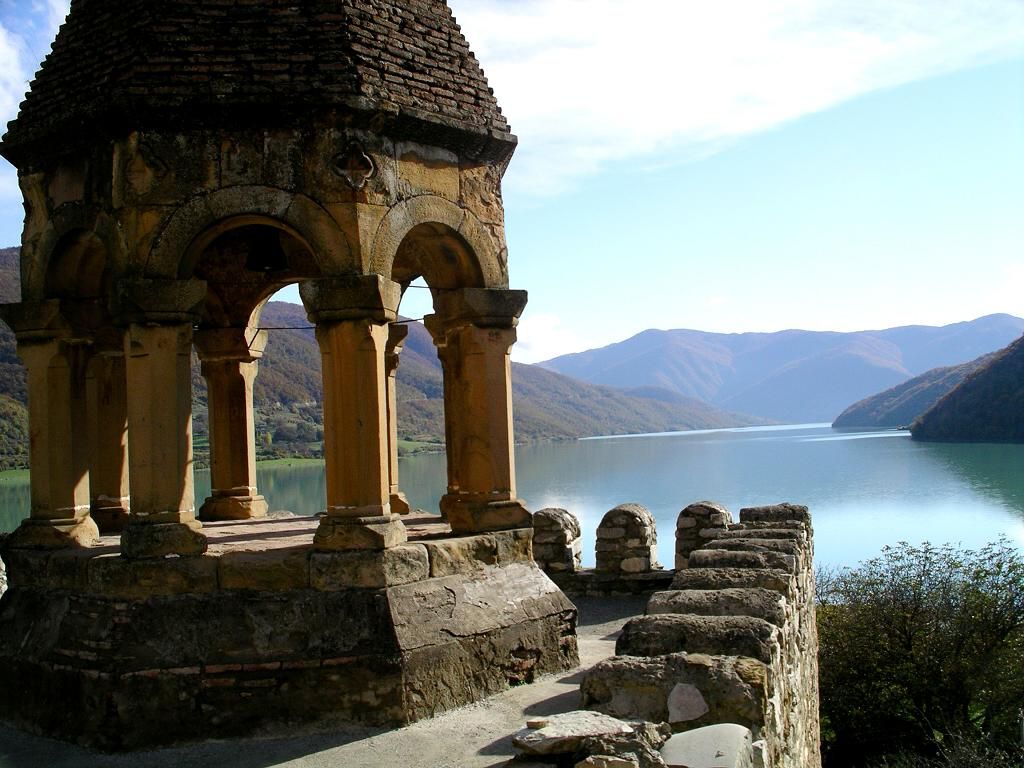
column 733, row 640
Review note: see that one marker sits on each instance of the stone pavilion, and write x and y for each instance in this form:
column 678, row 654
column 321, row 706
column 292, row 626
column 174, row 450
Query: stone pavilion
column 180, row 162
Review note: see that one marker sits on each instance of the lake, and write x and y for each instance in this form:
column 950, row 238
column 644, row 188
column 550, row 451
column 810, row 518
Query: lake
column 864, row 488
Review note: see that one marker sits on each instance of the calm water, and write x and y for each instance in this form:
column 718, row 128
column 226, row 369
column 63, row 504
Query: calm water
column 865, row 489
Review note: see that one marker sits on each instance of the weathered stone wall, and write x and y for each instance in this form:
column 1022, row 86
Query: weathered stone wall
column 733, row 641
column 121, row 654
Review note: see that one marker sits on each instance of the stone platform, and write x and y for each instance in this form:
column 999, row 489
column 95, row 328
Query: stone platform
column 263, row 633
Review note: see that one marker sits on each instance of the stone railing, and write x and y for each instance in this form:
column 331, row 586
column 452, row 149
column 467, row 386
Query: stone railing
column 731, row 638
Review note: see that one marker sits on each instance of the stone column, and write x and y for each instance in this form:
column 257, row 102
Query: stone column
column 474, row 329
column 107, row 396
column 351, row 314
column 396, row 338
column 229, row 364
column 159, row 315
column 58, row 442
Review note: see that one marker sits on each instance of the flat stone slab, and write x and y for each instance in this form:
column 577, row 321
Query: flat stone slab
column 724, row 745
column 565, row 732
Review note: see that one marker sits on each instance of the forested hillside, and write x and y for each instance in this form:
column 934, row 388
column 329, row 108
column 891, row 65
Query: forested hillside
column 987, row 406
column 13, row 415
column 899, row 406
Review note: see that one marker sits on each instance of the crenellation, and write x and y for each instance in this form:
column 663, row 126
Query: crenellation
column 732, row 639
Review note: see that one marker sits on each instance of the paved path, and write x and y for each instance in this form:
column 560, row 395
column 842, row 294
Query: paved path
column 477, row 736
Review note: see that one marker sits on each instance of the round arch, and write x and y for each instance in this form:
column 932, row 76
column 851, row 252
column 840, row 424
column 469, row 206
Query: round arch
column 84, row 229
column 488, row 256
column 197, row 223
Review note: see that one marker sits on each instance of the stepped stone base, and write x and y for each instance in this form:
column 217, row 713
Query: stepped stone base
column 121, row 654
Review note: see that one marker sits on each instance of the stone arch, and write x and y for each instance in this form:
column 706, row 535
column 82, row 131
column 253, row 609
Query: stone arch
column 70, row 231
column 198, row 222
column 486, row 265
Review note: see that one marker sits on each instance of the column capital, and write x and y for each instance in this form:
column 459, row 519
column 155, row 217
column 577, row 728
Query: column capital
column 230, row 344
column 351, row 297
column 36, row 320
column 482, row 307
column 158, row 301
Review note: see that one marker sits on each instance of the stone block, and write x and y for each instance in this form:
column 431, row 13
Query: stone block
column 635, row 564
column 759, row 603
column 564, row 733
column 514, row 545
column 480, row 517
column 464, row 554
column 723, row 745
column 370, row 569
column 119, row 577
column 54, row 534
column 786, row 546
column 776, row 513
column 658, row 634
column 725, row 578
column 157, row 540
column 375, row 532
column 723, row 558
column 274, row 570
column 734, row 689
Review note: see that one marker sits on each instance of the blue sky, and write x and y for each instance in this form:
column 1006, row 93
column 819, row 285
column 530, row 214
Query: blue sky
column 731, row 166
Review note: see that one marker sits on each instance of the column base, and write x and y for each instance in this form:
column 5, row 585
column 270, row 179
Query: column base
column 468, row 513
column 233, row 507
column 375, row 532
column 111, row 515
column 61, row 533
column 141, row 540
column 399, row 504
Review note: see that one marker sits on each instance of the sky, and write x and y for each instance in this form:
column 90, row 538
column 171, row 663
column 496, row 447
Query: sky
column 733, row 166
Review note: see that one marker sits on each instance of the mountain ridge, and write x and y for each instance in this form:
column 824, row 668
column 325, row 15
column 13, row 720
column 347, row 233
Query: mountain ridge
column 772, row 374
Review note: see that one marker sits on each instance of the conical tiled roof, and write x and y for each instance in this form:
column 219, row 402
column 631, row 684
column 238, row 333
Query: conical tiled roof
column 120, row 65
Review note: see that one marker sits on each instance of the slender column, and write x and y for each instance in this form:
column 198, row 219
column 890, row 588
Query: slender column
column 58, row 449
column 158, row 344
column 229, row 364
column 352, row 316
column 396, row 338
column 107, row 397
column 474, row 330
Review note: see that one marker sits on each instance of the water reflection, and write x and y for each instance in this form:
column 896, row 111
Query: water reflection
column 865, row 488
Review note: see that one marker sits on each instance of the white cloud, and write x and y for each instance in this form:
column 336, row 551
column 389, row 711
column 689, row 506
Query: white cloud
column 541, row 336
column 585, row 82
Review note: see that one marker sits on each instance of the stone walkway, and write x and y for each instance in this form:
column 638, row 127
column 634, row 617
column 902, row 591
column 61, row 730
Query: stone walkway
column 477, row 736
